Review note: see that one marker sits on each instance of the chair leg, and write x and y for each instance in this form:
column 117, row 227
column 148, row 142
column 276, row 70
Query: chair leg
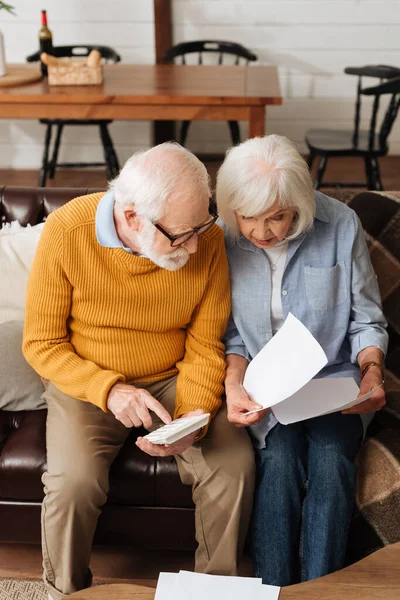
column 184, row 131
column 45, row 159
column 310, row 160
column 320, row 173
column 376, row 174
column 369, row 172
column 54, row 159
column 112, row 153
column 235, row 132
column 106, row 150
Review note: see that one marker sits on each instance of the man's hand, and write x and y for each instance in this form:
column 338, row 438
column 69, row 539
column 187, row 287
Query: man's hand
column 131, row 406
column 371, row 380
column 170, row 449
column 239, row 403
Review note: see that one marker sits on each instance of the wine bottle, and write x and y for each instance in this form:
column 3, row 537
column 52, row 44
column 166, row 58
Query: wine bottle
column 45, row 40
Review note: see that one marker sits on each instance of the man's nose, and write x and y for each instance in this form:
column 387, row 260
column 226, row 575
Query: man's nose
column 191, row 244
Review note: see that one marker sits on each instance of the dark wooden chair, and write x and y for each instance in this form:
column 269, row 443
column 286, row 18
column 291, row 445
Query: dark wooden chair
column 49, row 166
column 370, row 144
column 221, row 50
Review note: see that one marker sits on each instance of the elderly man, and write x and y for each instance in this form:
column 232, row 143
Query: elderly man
column 128, row 300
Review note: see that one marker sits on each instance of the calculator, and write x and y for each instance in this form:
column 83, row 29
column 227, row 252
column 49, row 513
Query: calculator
column 177, row 429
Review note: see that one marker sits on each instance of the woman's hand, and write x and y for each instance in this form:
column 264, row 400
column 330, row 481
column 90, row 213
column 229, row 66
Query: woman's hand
column 239, row 403
column 371, row 380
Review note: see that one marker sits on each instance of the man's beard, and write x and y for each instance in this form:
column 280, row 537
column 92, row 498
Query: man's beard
column 174, row 261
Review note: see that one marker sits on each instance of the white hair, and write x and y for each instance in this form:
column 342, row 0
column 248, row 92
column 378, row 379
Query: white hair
column 260, row 172
column 151, row 178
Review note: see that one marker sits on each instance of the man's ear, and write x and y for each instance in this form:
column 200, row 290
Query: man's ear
column 131, row 217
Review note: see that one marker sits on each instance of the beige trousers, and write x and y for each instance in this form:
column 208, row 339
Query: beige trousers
column 83, row 441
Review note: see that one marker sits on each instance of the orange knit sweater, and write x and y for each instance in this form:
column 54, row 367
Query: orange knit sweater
column 99, row 315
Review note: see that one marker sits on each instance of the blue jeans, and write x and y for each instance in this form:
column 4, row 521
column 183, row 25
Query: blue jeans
column 304, row 498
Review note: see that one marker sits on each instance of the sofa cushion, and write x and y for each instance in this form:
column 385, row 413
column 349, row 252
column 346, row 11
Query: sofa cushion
column 17, row 249
column 141, row 480
column 376, row 520
column 375, row 211
column 22, row 454
column 20, row 386
column 136, row 479
column 380, row 217
column 379, row 213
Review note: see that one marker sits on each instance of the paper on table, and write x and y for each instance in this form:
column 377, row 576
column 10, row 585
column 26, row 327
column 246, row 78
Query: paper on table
column 320, row 397
column 289, row 360
column 197, row 586
column 166, row 586
column 269, row 592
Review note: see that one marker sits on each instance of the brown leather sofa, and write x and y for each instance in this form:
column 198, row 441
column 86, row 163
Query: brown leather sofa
column 147, row 499
column 147, row 505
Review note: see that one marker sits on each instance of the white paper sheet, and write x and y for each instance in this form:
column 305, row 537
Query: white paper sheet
column 166, row 586
column 269, row 592
column 320, row 397
column 289, row 360
column 197, row 586
column 281, row 377
column 355, row 401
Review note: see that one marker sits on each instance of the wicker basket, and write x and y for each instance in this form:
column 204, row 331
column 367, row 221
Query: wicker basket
column 75, row 71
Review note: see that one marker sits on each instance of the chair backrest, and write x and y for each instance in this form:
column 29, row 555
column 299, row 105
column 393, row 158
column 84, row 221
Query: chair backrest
column 392, row 88
column 218, row 47
column 385, row 73
column 108, row 54
column 380, row 71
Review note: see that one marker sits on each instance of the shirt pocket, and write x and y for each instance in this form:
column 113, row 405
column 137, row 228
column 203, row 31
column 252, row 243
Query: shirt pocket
column 326, row 287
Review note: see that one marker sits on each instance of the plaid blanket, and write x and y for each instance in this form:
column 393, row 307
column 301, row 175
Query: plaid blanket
column 376, row 521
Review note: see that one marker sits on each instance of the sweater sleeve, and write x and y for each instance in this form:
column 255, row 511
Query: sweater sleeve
column 202, row 369
column 46, row 344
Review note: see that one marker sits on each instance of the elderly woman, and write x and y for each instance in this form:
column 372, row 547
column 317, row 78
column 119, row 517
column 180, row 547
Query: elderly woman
column 291, row 249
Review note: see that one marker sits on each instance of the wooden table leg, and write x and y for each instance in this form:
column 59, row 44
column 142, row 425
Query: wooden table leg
column 163, row 131
column 257, row 121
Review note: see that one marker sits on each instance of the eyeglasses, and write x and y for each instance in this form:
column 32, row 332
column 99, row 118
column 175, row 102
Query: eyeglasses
column 181, row 238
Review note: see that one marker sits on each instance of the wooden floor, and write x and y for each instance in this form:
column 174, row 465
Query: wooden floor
column 342, row 169
column 20, row 561
column 24, row 561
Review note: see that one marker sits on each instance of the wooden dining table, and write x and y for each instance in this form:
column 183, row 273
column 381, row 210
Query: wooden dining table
column 376, row 577
column 153, row 92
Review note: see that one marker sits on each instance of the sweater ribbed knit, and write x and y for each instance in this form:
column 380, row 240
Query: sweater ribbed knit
column 99, row 315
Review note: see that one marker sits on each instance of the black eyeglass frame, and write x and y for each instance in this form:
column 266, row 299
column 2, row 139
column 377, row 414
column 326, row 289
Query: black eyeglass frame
column 188, row 234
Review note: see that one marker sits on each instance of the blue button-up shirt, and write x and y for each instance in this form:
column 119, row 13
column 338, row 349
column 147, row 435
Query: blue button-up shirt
column 105, row 227
column 328, row 283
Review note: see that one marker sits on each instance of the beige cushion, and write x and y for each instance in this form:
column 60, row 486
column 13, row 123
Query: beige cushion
column 17, row 249
column 20, row 386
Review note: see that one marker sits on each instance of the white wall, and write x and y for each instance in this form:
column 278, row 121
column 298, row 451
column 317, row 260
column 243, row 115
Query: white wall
column 310, row 40
column 126, row 25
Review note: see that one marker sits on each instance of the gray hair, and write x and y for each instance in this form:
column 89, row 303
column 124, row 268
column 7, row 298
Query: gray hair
column 260, row 172
column 149, row 183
